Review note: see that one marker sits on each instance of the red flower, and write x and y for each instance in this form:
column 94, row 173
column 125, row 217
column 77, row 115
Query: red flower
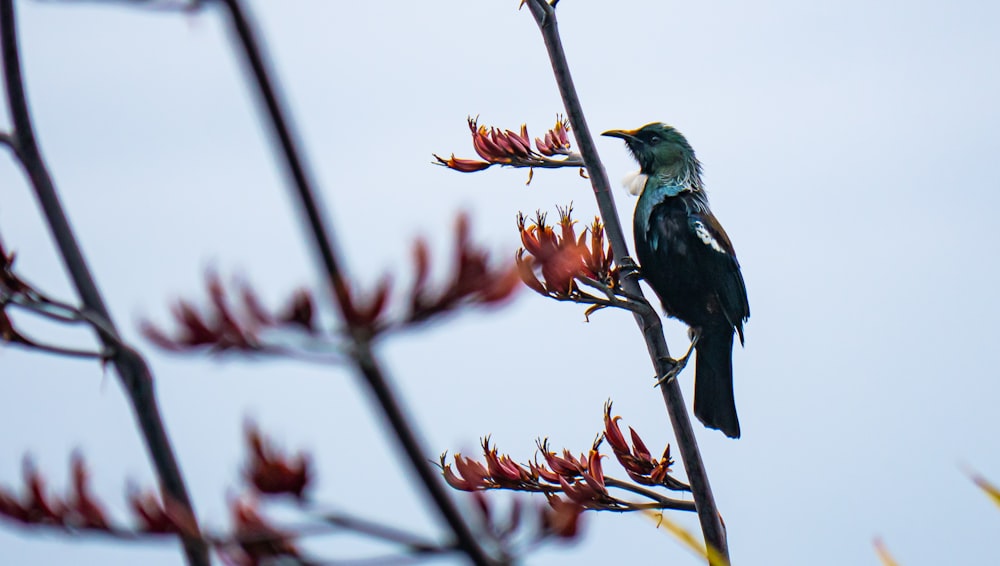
column 563, row 257
column 365, row 313
column 260, row 542
column 270, row 472
column 556, row 140
column 473, row 280
column 37, row 507
column 564, row 466
column 637, row 460
column 471, row 475
column 87, row 513
column 156, row 517
column 504, row 471
column 562, row 517
column 78, row 511
column 229, row 325
column 462, row 165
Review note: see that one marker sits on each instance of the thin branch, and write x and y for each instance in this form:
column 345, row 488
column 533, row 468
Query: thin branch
column 151, row 5
column 618, row 298
column 60, row 350
column 322, row 239
column 40, row 304
column 7, row 140
column 657, row 500
column 714, row 532
column 662, row 501
column 388, row 560
column 415, row 549
column 44, row 308
column 130, row 366
column 382, row 532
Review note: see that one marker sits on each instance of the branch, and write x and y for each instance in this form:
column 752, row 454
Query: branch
column 659, row 501
column 151, row 5
column 382, row 532
column 130, row 366
column 60, row 350
column 7, row 140
column 649, row 322
column 367, row 365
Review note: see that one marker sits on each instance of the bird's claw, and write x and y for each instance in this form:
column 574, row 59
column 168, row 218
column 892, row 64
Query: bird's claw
column 678, row 365
column 628, row 268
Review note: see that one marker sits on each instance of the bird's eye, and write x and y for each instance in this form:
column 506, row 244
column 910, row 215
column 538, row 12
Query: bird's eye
column 654, row 140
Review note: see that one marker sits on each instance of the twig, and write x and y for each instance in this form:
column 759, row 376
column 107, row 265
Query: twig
column 6, row 139
column 151, row 5
column 60, row 350
column 383, row 533
column 130, row 366
column 650, row 324
column 662, row 501
column 618, row 298
column 322, row 238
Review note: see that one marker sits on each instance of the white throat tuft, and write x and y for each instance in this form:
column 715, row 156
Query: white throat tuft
column 634, row 183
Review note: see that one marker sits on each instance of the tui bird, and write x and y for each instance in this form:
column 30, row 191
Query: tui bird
column 688, row 260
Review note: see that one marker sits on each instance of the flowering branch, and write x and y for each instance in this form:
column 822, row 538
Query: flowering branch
column 252, row 539
column 243, row 324
column 131, row 368
column 17, row 293
column 580, row 479
column 366, row 363
column 240, row 324
column 513, row 149
column 79, row 511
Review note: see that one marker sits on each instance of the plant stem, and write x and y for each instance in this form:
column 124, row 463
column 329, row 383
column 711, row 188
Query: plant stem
column 130, row 366
column 660, row 500
column 649, row 322
column 366, row 364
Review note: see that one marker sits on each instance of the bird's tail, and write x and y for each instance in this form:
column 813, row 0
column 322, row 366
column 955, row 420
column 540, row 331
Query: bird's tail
column 714, row 403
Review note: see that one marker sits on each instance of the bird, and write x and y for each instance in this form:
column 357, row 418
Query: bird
column 687, row 258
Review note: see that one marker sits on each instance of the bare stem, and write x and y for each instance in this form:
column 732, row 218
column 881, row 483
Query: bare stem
column 366, row 364
column 61, row 350
column 649, row 322
column 130, row 366
column 660, row 500
column 382, row 532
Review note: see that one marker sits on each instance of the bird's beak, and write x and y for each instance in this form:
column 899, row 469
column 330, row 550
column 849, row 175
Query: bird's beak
column 627, row 135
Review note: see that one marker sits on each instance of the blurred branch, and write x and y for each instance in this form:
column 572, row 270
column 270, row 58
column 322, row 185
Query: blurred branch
column 152, row 5
column 649, row 322
column 253, row 538
column 16, row 293
column 130, row 366
column 367, row 365
column 382, row 532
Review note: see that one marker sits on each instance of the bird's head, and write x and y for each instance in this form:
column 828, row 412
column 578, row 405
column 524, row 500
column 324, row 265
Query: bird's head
column 660, row 149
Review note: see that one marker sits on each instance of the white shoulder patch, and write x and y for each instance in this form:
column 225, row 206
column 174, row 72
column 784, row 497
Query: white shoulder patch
column 634, row 183
column 706, row 237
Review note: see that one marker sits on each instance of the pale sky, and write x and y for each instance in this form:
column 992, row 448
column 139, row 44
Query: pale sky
column 848, row 150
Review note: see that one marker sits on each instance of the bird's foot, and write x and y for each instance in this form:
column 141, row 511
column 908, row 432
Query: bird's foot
column 628, row 268
column 678, row 365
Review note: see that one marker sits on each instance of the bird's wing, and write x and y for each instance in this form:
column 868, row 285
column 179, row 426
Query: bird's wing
column 719, row 264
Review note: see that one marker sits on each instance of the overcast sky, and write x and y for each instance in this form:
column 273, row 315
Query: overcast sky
column 849, row 149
